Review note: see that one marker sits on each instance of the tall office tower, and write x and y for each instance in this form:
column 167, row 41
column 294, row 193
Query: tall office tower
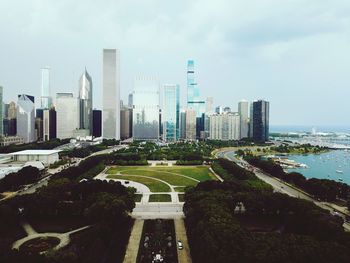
column 130, row 100
column 85, row 102
column 225, row 126
column 1, row 112
column 39, row 118
column 96, row 123
column 243, row 111
column 146, row 109
column 111, row 94
column 67, row 109
column 125, row 119
column 26, row 118
column 191, row 123
column 183, row 124
column 46, row 99
column 260, row 120
column 10, row 119
column 209, row 105
column 171, row 112
column 49, row 124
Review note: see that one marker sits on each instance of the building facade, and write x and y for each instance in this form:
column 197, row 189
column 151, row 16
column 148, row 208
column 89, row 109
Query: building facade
column 85, row 102
column 191, row 122
column 171, row 113
column 146, row 109
column 96, row 123
column 243, row 111
column 225, row 126
column 26, row 118
column 125, row 123
column 67, row 109
column 49, row 124
column 111, row 94
column 260, row 120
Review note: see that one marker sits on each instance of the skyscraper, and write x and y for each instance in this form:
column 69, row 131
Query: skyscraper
column 49, row 124
column 1, row 112
column 146, row 109
column 97, row 123
column 46, row 100
column 111, row 94
column 130, row 100
column 193, row 97
column 209, row 108
column 125, row 119
column 243, row 111
column 260, row 120
column 191, row 124
column 26, row 118
column 67, row 109
column 85, row 102
column 224, row 126
column 171, row 112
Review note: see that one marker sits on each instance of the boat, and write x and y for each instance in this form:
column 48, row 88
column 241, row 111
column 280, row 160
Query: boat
column 339, row 171
column 340, row 179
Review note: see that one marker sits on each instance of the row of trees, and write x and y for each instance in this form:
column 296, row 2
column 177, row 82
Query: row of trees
column 303, row 233
column 13, row 181
column 35, row 145
column 324, row 189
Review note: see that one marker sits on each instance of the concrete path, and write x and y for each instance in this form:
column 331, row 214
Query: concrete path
column 183, row 255
column 32, row 234
column 134, row 241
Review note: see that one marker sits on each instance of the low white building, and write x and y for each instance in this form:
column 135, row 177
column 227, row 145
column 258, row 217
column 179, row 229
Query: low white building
column 47, row 157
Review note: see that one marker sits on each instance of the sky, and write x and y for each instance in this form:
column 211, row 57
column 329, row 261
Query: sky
column 293, row 53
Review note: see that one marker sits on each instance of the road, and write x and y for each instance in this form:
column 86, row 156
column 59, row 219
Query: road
column 280, row 186
column 158, row 210
column 183, row 255
column 134, row 241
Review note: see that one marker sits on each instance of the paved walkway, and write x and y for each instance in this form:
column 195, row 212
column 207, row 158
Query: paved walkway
column 184, row 255
column 32, row 234
column 134, row 241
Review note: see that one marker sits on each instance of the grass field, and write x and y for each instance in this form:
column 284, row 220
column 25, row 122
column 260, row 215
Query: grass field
column 160, row 198
column 178, row 177
column 181, row 197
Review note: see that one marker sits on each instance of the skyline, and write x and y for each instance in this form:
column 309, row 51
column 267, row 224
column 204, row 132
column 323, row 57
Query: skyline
column 298, row 62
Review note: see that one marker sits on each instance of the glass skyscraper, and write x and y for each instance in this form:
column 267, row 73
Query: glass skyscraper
column 46, row 100
column 85, row 102
column 193, row 99
column 171, row 113
column 146, row 109
column 259, row 120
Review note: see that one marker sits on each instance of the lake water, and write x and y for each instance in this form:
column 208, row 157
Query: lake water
column 325, row 165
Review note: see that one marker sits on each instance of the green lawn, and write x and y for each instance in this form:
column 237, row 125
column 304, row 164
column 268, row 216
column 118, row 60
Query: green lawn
column 137, row 197
column 160, row 198
column 153, row 185
column 178, row 176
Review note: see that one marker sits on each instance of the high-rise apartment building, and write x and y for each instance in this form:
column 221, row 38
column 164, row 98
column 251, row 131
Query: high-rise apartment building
column 146, row 109
column 191, row 123
column 85, row 102
column 259, row 120
column 171, row 112
column 111, row 94
column 67, row 109
column 26, row 118
column 45, row 99
column 224, row 126
column 243, row 111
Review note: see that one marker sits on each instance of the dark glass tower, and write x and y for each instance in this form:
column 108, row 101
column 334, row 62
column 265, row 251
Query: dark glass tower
column 260, row 120
column 96, row 123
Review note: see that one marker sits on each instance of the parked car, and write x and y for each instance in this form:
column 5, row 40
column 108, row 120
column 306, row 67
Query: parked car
column 179, row 245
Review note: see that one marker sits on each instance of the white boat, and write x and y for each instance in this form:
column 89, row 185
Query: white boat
column 339, row 171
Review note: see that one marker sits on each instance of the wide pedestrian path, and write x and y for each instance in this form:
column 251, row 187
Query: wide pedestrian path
column 183, row 255
column 134, row 241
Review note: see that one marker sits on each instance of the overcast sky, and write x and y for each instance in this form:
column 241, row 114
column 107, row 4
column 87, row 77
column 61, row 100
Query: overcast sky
column 294, row 53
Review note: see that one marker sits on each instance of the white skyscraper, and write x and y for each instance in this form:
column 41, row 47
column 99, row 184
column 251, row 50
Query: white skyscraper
column 111, row 94
column 243, row 111
column 26, row 118
column 67, row 110
column 46, row 99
